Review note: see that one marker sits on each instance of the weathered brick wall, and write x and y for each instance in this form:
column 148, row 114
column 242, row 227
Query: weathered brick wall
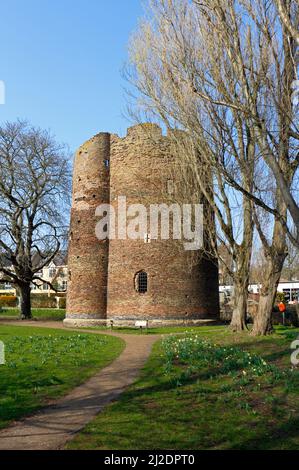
column 140, row 167
column 88, row 257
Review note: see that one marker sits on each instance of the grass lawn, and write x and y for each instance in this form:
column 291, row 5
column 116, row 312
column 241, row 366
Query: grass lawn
column 208, row 390
column 44, row 364
column 37, row 313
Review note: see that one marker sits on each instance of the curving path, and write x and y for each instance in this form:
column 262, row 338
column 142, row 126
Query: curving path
column 53, row 426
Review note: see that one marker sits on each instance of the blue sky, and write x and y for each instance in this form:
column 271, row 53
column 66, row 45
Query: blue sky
column 61, row 62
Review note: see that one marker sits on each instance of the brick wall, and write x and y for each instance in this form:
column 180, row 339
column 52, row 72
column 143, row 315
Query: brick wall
column 140, row 166
column 88, row 258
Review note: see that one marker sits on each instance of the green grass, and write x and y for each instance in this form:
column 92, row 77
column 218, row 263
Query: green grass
column 37, row 313
column 44, row 364
column 208, row 390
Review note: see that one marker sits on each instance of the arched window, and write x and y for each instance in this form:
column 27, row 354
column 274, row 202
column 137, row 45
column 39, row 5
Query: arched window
column 141, row 282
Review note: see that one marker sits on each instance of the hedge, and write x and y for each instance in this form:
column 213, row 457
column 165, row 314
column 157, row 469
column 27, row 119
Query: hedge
column 45, row 301
column 37, row 300
column 62, row 302
column 8, row 301
column 42, row 301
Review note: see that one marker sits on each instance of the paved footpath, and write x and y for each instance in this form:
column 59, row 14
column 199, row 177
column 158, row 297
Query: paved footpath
column 52, row 427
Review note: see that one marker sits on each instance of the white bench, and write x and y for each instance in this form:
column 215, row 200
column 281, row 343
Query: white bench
column 141, row 324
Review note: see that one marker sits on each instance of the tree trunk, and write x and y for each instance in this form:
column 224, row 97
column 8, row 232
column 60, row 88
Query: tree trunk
column 263, row 320
column 241, row 276
column 262, row 324
column 25, row 301
column 238, row 322
column 283, row 171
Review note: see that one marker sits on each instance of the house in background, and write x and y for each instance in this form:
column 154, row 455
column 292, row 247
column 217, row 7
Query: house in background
column 56, row 273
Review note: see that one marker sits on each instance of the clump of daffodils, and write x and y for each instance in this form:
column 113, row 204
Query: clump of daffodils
column 197, row 353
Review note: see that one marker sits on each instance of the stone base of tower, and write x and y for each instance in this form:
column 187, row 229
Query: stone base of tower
column 79, row 321
column 130, row 323
column 157, row 323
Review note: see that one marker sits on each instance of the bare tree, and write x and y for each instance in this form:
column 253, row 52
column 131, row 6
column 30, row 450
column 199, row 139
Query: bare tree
column 275, row 253
column 288, row 17
column 34, row 191
column 223, row 70
column 166, row 55
column 276, row 135
column 291, row 267
column 258, row 37
column 258, row 266
column 228, row 221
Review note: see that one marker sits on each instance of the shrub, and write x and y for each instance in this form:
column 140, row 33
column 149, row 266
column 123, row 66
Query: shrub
column 8, row 301
column 43, row 301
column 196, row 354
column 62, row 302
column 280, row 297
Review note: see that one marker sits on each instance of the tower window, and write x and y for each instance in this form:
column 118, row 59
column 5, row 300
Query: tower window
column 170, row 187
column 141, row 282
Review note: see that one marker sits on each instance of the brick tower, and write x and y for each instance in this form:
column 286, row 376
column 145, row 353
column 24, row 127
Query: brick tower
column 88, row 258
column 147, row 279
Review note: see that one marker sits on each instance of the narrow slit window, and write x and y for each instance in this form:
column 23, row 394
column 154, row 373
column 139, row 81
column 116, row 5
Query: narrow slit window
column 141, row 282
column 170, row 187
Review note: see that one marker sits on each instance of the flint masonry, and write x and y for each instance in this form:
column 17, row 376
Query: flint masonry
column 126, row 280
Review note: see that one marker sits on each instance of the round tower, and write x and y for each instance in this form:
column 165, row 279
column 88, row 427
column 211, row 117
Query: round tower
column 88, row 257
column 153, row 279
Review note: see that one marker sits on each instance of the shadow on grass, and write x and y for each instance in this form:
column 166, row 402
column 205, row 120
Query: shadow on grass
column 203, row 408
column 285, row 436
